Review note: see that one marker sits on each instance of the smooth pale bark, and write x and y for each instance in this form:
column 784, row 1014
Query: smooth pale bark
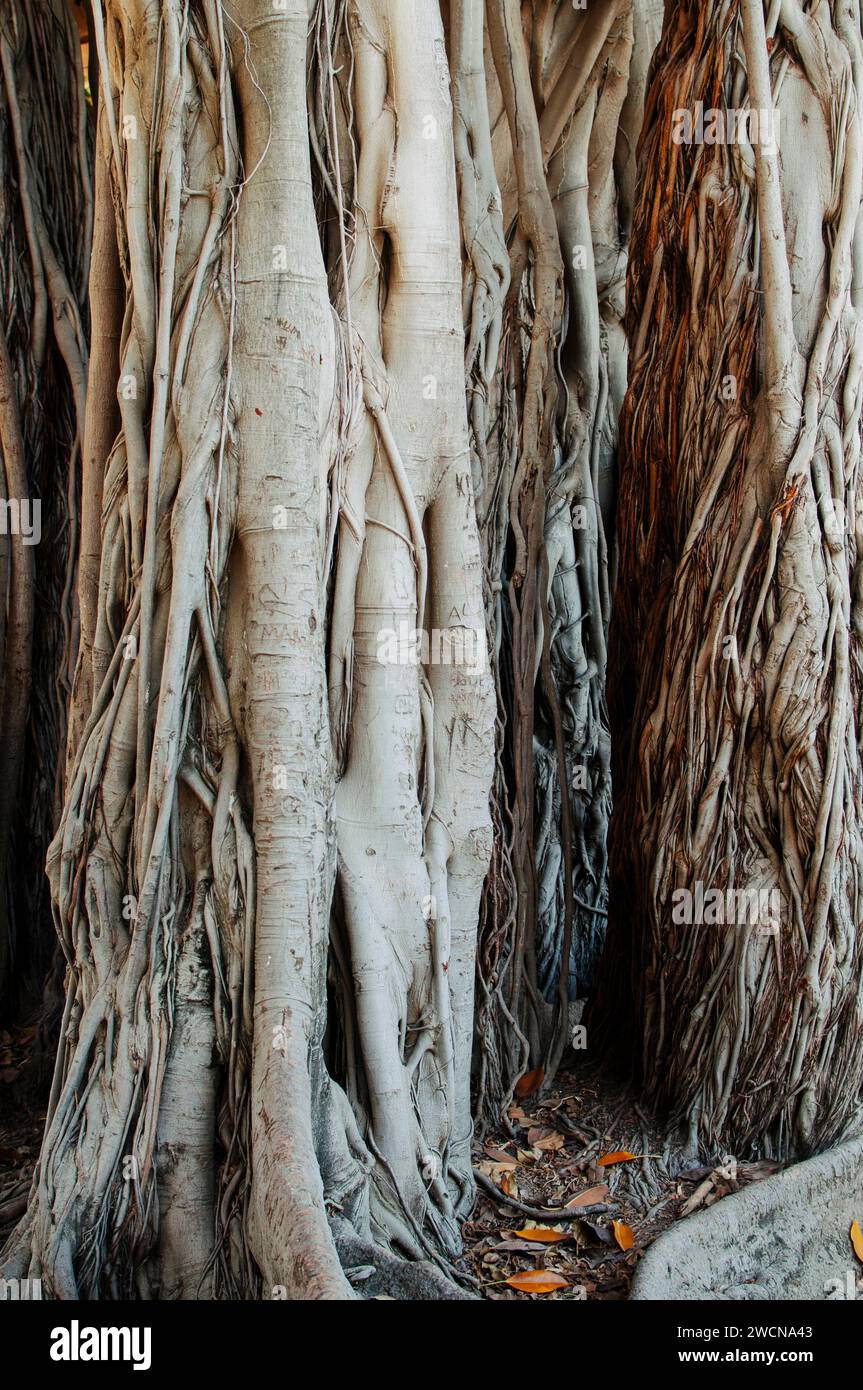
column 193, row 871
column 412, row 801
column 284, row 366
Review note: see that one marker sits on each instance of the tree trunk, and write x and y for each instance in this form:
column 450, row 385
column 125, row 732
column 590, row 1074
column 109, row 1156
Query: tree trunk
column 339, row 749
column 269, row 804
column 565, row 114
column 45, row 227
column 285, row 480
column 736, row 675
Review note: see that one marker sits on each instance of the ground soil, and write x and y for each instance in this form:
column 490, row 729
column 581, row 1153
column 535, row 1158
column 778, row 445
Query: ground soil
column 559, row 1144
column 584, row 1134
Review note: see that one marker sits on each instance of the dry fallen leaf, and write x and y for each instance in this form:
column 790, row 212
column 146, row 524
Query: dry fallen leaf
column 699, row 1196
column 624, row 1235
column 493, row 1168
column 857, row 1239
column 530, row 1082
column 552, row 1142
column 537, row 1132
column 587, row 1199
column 546, row 1235
column 537, row 1281
column 556, row 1103
column 754, row 1172
column 619, row 1156
column 498, row 1155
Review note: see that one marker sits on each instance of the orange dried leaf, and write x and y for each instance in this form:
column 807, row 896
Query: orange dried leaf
column 509, row 1184
column 530, row 1082
column 619, row 1156
column 546, row 1235
column 624, row 1235
column 857, row 1239
column 587, row 1199
column 537, row 1281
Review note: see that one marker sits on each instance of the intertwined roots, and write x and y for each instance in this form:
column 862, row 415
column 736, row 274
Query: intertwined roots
column 736, row 680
